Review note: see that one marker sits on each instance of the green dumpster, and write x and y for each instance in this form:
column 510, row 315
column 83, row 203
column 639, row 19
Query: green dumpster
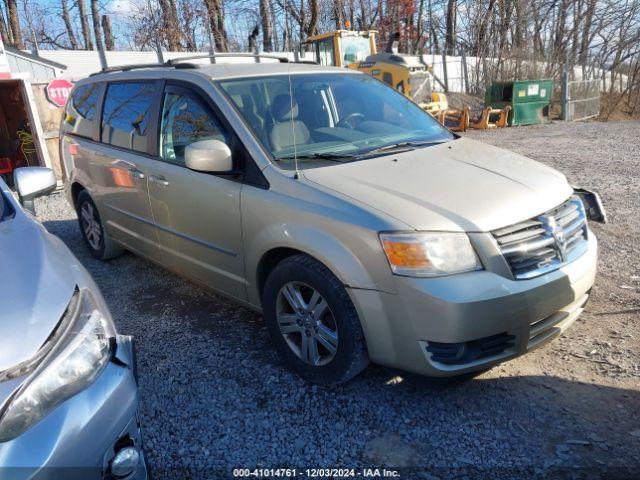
column 529, row 100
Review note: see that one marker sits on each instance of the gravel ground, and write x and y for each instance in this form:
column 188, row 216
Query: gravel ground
column 215, row 396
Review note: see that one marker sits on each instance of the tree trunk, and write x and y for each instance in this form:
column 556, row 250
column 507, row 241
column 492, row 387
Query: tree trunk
column 450, row 36
column 313, row 21
column 95, row 17
column 252, row 40
column 559, row 41
column 84, row 22
column 170, row 27
column 4, row 31
column 68, row 26
column 518, row 37
column 418, row 45
column 338, row 15
column 108, row 34
column 216, row 21
column 14, row 24
column 274, row 25
column 189, row 35
column 481, row 46
column 586, row 31
column 267, row 31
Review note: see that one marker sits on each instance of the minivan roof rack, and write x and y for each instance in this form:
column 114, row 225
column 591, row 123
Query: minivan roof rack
column 257, row 56
column 183, row 62
column 126, row 68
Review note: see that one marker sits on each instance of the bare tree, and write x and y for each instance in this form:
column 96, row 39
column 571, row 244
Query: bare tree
column 215, row 15
column 68, row 25
column 450, row 37
column 267, row 28
column 4, row 31
column 14, row 23
column 84, row 23
column 108, row 33
column 95, row 17
column 170, row 27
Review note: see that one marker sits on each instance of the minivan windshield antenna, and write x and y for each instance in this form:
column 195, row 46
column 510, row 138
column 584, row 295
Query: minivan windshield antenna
column 296, row 175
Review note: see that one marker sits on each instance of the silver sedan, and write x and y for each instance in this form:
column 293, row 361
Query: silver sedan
column 68, row 387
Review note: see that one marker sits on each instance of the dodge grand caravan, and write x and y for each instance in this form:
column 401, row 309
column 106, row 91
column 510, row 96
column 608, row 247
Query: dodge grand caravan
column 359, row 226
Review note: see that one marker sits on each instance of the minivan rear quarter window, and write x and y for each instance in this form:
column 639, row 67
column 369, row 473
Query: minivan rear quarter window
column 6, row 211
column 126, row 114
column 82, row 110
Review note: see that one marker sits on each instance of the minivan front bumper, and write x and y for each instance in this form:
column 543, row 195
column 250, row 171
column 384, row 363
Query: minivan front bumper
column 461, row 323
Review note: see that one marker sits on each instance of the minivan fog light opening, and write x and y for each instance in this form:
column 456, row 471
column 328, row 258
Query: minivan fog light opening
column 429, row 254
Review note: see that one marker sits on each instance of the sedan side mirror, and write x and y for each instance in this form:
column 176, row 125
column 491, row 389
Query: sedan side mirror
column 211, row 156
column 32, row 182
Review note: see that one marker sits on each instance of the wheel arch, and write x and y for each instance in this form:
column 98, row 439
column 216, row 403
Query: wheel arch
column 271, row 247
column 76, row 188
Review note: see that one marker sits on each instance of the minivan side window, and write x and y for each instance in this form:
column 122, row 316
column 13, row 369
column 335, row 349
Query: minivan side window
column 185, row 120
column 82, row 110
column 126, row 114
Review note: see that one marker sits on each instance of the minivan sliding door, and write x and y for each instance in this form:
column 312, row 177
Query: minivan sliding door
column 119, row 163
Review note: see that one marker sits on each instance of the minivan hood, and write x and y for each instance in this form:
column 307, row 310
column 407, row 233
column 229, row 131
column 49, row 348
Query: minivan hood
column 37, row 286
column 462, row 185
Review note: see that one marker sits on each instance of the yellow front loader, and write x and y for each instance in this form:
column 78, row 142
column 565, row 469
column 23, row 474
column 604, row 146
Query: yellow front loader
column 357, row 50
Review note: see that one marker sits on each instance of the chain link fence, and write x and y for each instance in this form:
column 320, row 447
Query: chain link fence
column 581, row 99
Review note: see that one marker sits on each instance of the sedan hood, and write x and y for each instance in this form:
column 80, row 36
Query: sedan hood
column 462, row 185
column 37, row 286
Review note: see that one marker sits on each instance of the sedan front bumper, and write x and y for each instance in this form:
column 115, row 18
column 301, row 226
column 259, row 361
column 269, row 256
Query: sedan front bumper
column 462, row 323
column 80, row 437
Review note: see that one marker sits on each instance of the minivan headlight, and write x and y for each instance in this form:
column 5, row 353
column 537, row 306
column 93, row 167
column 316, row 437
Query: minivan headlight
column 429, row 254
column 71, row 365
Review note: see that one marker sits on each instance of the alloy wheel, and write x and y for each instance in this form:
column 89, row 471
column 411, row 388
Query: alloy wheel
column 91, row 225
column 307, row 323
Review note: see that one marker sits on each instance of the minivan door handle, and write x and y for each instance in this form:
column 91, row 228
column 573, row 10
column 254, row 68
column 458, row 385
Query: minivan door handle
column 136, row 173
column 159, row 180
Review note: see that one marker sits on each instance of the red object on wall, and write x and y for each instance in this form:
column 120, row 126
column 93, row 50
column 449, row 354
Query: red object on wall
column 58, row 91
column 5, row 165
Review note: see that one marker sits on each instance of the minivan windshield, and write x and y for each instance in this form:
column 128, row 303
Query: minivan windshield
column 330, row 117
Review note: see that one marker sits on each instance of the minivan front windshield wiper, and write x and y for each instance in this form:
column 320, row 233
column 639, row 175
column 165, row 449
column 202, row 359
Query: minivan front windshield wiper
column 401, row 146
column 349, row 157
column 336, row 157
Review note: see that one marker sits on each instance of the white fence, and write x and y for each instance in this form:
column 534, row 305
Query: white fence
column 81, row 63
column 463, row 74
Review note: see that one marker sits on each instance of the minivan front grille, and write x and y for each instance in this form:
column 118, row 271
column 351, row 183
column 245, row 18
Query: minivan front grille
column 546, row 242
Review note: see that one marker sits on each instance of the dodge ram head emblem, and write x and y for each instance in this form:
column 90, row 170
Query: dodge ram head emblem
column 550, row 226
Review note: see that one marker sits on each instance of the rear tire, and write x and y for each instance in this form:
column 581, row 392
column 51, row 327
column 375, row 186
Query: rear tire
column 322, row 340
column 95, row 236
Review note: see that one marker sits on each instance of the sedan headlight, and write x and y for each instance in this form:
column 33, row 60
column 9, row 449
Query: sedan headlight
column 429, row 254
column 72, row 364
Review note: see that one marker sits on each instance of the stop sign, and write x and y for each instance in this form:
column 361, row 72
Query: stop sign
column 58, row 91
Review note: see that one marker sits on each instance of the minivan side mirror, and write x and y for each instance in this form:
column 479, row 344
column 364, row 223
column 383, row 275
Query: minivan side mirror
column 211, row 156
column 32, row 182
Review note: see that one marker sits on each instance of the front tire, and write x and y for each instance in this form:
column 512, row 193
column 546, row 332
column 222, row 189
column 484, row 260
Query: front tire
column 312, row 321
column 95, row 236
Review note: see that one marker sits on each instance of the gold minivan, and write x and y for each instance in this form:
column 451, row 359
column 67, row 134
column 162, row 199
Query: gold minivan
column 361, row 228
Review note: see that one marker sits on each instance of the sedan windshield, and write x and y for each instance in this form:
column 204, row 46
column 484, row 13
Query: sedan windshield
column 330, row 117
